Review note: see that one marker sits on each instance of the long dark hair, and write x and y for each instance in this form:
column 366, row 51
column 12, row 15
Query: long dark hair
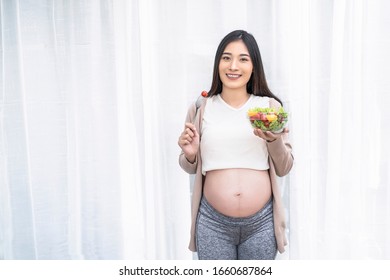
column 257, row 84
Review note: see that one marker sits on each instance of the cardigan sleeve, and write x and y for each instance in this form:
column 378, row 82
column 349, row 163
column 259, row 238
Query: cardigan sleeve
column 183, row 162
column 280, row 150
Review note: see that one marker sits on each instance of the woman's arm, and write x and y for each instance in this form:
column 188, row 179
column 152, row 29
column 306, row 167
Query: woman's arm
column 191, row 136
column 280, row 150
column 280, row 153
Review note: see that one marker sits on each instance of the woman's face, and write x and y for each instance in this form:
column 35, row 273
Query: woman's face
column 235, row 66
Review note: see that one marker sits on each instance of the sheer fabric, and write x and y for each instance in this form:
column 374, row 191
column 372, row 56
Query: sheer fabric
column 337, row 95
column 93, row 99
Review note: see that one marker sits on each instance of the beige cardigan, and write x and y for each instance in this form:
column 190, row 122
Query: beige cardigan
column 280, row 162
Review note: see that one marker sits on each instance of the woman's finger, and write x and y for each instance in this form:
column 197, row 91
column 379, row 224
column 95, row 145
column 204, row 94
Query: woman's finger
column 192, row 128
column 190, row 132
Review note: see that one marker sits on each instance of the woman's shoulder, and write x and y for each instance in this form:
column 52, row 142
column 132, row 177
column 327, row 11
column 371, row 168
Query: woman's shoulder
column 260, row 101
column 213, row 98
column 211, row 101
column 273, row 103
column 265, row 101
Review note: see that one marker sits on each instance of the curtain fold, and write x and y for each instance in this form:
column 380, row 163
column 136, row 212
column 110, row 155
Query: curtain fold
column 339, row 184
column 94, row 96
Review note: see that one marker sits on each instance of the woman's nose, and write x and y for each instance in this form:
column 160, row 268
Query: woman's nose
column 233, row 65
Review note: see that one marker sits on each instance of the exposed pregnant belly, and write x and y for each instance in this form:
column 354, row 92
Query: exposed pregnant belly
column 237, row 192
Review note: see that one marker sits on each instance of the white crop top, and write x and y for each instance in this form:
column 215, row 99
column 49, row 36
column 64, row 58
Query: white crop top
column 227, row 136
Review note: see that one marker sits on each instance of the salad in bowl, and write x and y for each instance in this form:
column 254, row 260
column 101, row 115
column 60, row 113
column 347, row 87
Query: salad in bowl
column 268, row 119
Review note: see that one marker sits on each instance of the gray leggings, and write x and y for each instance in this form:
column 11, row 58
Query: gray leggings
column 220, row 237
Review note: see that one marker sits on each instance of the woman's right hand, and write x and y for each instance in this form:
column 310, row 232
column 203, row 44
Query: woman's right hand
column 189, row 142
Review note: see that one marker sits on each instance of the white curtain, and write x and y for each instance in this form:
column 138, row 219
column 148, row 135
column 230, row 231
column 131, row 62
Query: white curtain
column 335, row 66
column 94, row 96
column 89, row 123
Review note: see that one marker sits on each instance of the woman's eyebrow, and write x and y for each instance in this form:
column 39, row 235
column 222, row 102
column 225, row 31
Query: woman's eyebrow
column 243, row 54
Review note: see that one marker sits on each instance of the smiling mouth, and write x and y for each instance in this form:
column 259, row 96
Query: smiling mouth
column 233, row 76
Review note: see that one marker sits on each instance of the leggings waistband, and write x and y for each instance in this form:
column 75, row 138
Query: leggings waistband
column 207, row 209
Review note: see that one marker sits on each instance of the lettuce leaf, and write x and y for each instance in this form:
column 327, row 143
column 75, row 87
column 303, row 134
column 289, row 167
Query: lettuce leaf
column 276, row 125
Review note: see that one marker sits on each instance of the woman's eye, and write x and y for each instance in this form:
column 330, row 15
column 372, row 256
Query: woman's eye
column 244, row 59
column 226, row 58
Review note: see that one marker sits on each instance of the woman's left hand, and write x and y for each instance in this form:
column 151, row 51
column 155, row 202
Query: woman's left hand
column 268, row 135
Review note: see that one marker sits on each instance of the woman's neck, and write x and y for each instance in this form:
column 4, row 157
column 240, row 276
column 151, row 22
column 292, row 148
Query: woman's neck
column 235, row 98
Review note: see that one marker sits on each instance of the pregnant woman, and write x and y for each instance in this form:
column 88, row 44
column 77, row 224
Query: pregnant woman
column 237, row 210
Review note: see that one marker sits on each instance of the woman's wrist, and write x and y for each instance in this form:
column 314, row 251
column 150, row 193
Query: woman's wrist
column 190, row 159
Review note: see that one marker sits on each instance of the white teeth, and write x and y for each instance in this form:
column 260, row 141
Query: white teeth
column 232, row 76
